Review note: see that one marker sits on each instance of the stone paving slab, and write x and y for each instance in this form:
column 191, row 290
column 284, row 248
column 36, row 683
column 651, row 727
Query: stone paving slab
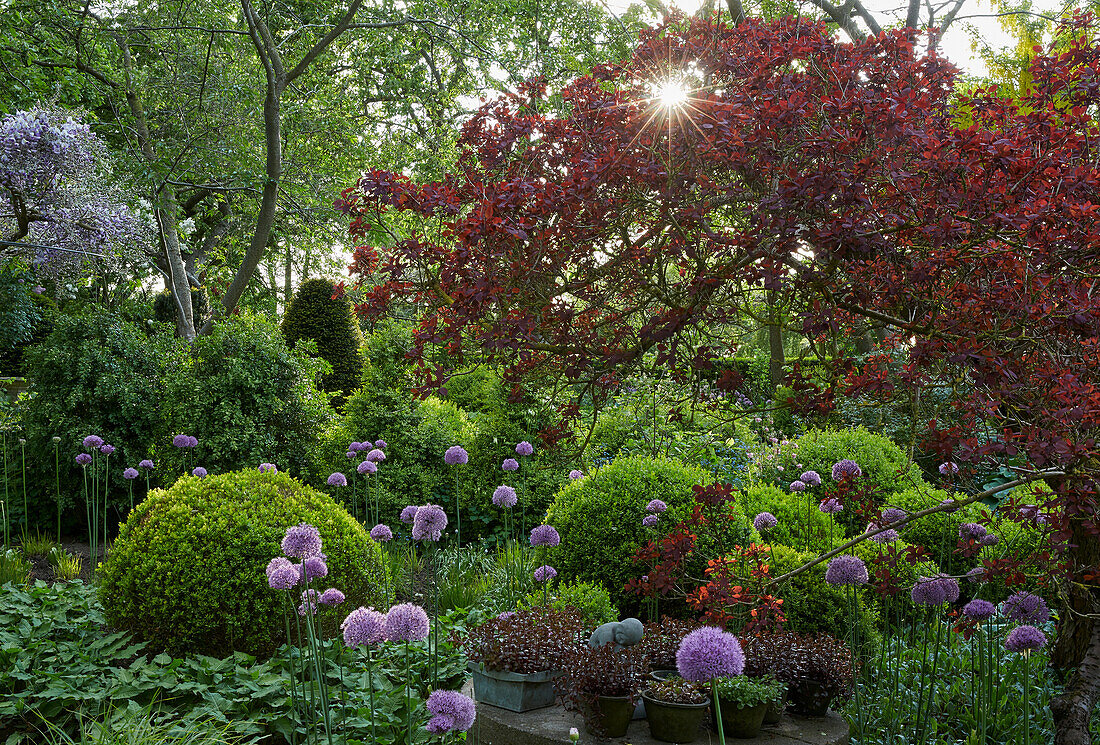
column 550, row 726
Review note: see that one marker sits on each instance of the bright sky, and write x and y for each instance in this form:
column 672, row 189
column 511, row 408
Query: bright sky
column 956, row 44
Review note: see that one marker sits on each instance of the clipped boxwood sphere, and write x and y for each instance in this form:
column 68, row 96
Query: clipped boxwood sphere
column 801, row 524
column 883, row 463
column 187, row 570
column 599, row 518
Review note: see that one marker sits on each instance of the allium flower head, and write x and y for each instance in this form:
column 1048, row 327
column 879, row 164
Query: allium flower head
column 846, row 570
column 353, row 448
column 92, row 442
column 928, row 591
column 451, row 712
column 408, row 514
column 314, row 567
column 381, row 533
column 199, row 471
column 504, row 496
column 406, row 623
column 510, row 464
column 337, row 479
column 83, row 459
column 990, row 539
column 810, row 478
column 977, row 574
column 764, row 521
column 830, row 506
column 350, row 455
column 892, row 515
column 650, row 521
column 192, row 442
column 656, row 505
column 979, row 610
column 524, row 448
column 1023, row 607
column 950, row 504
column 708, row 653
column 331, row 596
column 130, row 474
column 429, row 523
column 281, row 574
column 456, row 456
column 1024, row 639
column 301, row 541
column 545, row 535
column 366, row 467
column 381, row 444
column 309, row 600
column 376, row 456
column 950, row 587
column 146, row 464
column 886, row 536
column 181, row 441
column 363, row 627
column 846, row 469
column 545, row 573
column 575, row 474
column 268, row 468
column 971, row 532
column 948, row 468
column 361, row 446
column 107, row 449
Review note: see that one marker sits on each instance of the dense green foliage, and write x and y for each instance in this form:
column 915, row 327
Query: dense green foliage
column 164, row 306
column 600, row 516
column 187, row 570
column 21, row 312
column 938, row 532
column 593, row 601
column 801, row 524
column 329, row 321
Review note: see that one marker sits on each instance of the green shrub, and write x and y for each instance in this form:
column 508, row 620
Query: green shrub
column 938, row 532
column 165, row 311
column 801, row 524
column 900, row 607
column 315, row 314
column 591, row 600
column 600, row 516
column 187, row 570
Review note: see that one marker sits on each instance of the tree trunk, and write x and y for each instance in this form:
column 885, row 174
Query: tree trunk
column 288, row 285
column 177, row 270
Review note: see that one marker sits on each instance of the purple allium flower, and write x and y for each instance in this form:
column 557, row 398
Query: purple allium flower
column 990, row 539
column 764, row 521
column 146, row 464
column 353, row 448
column 381, row 444
column 1023, row 607
column 650, row 521
column 797, row 486
column 331, row 596
column 504, row 496
column 979, row 610
column 846, row 570
column 106, row 449
column 310, row 598
column 363, row 627
column 406, row 623
column 83, row 459
column 810, row 478
column 928, row 591
column 846, row 469
column 361, row 446
column 1024, row 639
column 130, row 474
column 281, row 574
column 951, row 505
column 192, row 442
column 524, row 448
column 950, row 587
column 301, row 541
column 545, row 573
column 575, row 474
column 429, row 523
column 314, row 567
column 456, row 456
column 708, row 653
column 376, row 456
column 948, row 467
column 452, row 712
column 381, row 533
column 199, row 471
column 38, row 289
column 92, row 442
column 830, row 506
column 408, row 514
column 545, row 535
column 337, row 479
column 350, row 455
column 977, row 574
column 366, row 467
column 971, row 532
column 268, row 468
column 656, row 505
column 510, row 464
column 892, row 515
column 886, row 536
column 181, row 441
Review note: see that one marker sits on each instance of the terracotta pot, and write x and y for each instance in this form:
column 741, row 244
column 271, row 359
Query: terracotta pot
column 607, row 716
column 674, row 722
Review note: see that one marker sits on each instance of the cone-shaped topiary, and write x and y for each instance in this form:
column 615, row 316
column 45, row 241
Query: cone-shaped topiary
column 313, row 313
column 187, row 570
column 164, row 305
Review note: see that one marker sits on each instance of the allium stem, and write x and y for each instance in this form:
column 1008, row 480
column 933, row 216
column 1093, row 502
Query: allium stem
column 57, row 487
column 717, row 711
column 288, row 608
column 458, row 516
column 370, row 684
column 26, row 512
column 1027, row 697
column 7, row 532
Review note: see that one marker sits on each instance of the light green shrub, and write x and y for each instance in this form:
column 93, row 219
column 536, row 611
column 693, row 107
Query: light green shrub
column 590, row 599
column 801, row 524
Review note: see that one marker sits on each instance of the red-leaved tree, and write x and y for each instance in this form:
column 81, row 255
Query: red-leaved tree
column 848, row 181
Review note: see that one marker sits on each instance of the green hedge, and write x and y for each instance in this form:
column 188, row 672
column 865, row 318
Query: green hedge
column 801, row 524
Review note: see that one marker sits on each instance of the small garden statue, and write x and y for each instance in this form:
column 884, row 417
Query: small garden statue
column 625, row 633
